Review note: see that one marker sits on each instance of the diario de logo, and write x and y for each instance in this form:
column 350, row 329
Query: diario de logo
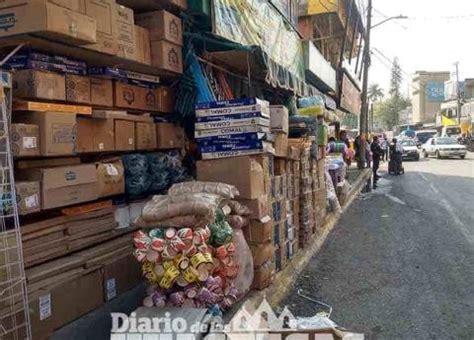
column 7, row 21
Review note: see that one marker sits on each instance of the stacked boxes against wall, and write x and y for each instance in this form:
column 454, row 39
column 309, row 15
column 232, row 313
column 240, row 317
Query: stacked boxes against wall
column 319, row 192
column 233, row 138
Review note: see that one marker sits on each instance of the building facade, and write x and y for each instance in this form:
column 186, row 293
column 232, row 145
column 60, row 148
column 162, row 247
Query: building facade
column 427, row 93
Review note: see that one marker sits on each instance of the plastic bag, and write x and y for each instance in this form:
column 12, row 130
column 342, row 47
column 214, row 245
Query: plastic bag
column 331, row 193
column 238, row 209
column 163, row 207
column 237, row 221
column 244, row 278
column 221, row 189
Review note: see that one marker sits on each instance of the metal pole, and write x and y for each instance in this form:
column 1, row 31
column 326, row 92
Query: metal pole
column 363, row 128
column 458, row 90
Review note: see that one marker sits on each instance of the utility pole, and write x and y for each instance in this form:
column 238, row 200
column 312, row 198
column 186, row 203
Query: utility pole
column 363, row 122
column 458, row 90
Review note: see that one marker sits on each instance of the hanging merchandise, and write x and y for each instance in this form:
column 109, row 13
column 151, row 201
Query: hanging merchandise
column 193, row 266
column 311, row 106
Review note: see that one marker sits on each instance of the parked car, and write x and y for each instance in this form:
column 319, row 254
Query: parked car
column 443, row 147
column 410, row 150
column 422, row 136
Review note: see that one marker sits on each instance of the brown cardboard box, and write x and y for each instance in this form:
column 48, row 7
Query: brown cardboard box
column 102, row 92
column 103, row 11
column 39, row 85
column 51, row 308
column 167, row 56
column 46, row 19
column 111, row 180
column 167, row 99
column 261, row 253
column 142, row 39
column 162, row 26
column 57, row 131
column 263, row 276
column 25, row 140
column 244, row 172
column 125, row 34
column 124, row 135
column 259, row 207
column 260, row 231
column 169, row 136
column 73, row 5
column 281, row 144
column 135, row 97
column 78, row 89
column 65, row 185
column 145, row 136
column 120, row 275
column 280, row 166
column 95, row 135
column 28, row 196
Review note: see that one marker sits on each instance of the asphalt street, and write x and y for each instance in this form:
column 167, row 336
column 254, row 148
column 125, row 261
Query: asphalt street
column 400, row 262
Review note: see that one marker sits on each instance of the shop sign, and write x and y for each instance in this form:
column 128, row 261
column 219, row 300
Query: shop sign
column 258, row 23
column 330, row 103
column 318, row 67
column 435, row 91
column 350, row 96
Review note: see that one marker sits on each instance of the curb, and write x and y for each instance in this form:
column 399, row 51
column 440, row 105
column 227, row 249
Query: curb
column 284, row 279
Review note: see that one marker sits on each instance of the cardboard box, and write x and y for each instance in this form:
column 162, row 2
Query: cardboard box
column 73, row 5
column 281, row 144
column 142, row 39
column 120, row 275
column 95, row 135
column 65, row 185
column 261, row 253
column 279, row 118
column 57, row 131
column 280, row 166
column 78, row 89
column 169, row 136
column 25, row 140
column 110, row 176
column 162, row 26
column 166, row 56
column 28, row 196
column 135, row 97
column 145, row 136
column 259, row 207
column 103, row 11
column 46, row 19
column 39, row 85
column 26, row 105
column 244, row 172
column 124, row 135
column 263, row 276
column 125, row 32
column 259, row 231
column 167, row 99
column 51, row 308
column 102, row 92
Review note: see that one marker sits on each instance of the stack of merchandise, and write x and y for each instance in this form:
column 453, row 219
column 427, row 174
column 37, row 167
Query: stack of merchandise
column 279, row 127
column 232, row 128
column 152, row 173
column 318, row 168
column 306, row 208
column 259, row 231
column 189, row 252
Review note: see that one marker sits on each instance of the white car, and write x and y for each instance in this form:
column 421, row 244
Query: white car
column 444, row 147
column 410, row 150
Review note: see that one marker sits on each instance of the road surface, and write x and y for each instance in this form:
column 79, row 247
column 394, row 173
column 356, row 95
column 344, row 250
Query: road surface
column 400, row 262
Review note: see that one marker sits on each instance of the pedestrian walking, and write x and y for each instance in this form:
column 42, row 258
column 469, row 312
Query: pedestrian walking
column 377, row 153
column 384, row 146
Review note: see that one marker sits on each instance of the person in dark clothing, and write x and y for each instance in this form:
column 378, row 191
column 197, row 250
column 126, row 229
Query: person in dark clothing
column 377, row 152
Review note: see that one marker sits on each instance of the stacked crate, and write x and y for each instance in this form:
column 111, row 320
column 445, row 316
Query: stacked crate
column 306, row 196
column 319, row 193
column 279, row 212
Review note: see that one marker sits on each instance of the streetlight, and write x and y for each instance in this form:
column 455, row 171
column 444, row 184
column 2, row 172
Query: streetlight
column 388, row 19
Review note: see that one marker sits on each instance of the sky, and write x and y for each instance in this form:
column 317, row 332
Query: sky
column 436, row 34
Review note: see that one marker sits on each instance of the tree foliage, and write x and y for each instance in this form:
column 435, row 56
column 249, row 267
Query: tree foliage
column 375, row 93
column 388, row 110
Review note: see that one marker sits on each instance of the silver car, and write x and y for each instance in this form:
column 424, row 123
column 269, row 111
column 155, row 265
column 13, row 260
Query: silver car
column 444, row 147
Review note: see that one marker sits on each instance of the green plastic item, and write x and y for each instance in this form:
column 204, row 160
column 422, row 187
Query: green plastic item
column 322, row 136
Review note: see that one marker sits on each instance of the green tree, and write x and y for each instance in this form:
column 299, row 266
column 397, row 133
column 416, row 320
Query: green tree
column 396, row 79
column 375, row 93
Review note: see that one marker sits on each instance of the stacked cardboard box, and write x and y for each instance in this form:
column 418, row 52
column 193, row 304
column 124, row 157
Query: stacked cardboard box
column 232, row 128
column 319, row 192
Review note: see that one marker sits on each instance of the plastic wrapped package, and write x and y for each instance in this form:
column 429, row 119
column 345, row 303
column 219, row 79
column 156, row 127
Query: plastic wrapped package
column 221, row 189
column 135, row 164
column 163, row 207
column 136, row 185
column 237, row 208
column 160, row 180
column 244, row 278
column 237, row 221
column 331, row 193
